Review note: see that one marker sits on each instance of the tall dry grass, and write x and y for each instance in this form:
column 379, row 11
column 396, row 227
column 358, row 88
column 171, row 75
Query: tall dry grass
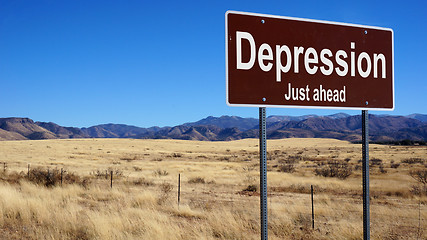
column 143, row 201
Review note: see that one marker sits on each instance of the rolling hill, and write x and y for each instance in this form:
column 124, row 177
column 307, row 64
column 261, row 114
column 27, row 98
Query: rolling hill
column 338, row 126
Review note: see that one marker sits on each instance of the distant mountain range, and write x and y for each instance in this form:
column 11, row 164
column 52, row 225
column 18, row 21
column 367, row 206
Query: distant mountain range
column 382, row 128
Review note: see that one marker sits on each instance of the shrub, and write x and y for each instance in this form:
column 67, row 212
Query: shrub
column 382, row 170
column 160, row 173
column 129, row 158
column 42, row 177
column 137, row 169
column 251, row 188
column 335, row 168
column 419, row 175
column 142, row 182
column 196, row 180
column 419, row 190
column 287, row 168
column 70, row 178
column 394, row 165
column 375, row 161
column 413, row 161
column 294, row 158
column 49, row 177
column 165, row 189
column 12, row 177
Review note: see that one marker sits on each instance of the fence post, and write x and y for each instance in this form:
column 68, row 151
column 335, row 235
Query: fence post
column 28, row 173
column 4, row 167
column 61, row 176
column 419, row 219
column 111, row 183
column 179, row 188
column 312, row 207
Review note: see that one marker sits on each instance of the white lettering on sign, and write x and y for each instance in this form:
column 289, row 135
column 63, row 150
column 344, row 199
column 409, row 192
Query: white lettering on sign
column 280, row 68
column 247, row 36
column 311, row 59
column 320, row 94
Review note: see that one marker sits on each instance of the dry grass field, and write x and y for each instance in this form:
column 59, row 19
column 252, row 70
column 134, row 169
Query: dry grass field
column 219, row 189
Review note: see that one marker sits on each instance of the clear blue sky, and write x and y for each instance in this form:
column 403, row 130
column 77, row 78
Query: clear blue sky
column 147, row 63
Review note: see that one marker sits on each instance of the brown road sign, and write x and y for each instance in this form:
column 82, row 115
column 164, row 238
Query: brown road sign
column 275, row 61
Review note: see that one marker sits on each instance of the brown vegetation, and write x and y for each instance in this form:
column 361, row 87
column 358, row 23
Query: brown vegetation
column 219, row 190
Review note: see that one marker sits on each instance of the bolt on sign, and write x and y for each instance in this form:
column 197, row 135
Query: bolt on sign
column 274, row 61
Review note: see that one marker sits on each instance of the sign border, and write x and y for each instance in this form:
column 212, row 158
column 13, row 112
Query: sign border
column 313, row 21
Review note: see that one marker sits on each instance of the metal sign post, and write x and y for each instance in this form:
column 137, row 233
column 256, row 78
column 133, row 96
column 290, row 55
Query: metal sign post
column 263, row 172
column 365, row 174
